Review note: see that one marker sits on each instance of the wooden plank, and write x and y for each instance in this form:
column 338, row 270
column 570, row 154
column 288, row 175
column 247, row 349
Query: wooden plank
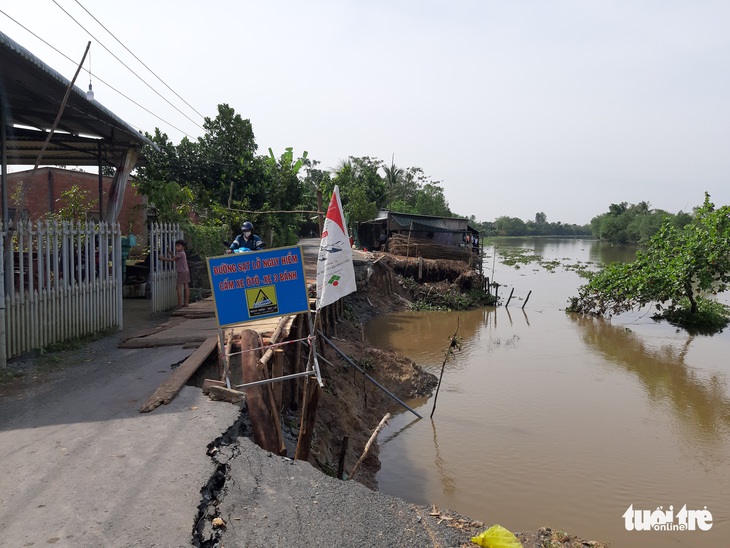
column 263, row 423
column 146, row 332
column 209, row 383
column 221, row 393
column 154, row 342
column 310, row 400
column 180, row 376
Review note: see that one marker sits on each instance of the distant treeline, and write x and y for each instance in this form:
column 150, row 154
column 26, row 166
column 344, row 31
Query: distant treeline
column 512, row 226
column 623, row 223
column 634, row 223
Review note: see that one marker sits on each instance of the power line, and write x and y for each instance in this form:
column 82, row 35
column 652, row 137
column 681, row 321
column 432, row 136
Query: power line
column 99, row 79
column 125, row 65
column 138, row 59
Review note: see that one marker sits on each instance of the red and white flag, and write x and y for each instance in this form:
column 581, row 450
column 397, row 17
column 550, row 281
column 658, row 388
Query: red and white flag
column 335, row 272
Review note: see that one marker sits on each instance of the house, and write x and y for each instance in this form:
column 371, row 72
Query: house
column 421, row 235
column 46, row 185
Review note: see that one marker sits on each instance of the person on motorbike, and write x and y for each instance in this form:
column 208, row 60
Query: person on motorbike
column 246, row 240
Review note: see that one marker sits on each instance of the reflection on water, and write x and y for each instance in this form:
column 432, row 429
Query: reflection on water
column 448, row 485
column 426, row 336
column 550, row 419
column 700, row 405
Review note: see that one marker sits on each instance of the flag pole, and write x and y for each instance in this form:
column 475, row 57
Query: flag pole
column 313, row 349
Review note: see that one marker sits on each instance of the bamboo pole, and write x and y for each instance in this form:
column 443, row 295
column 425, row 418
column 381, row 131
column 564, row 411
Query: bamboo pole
column 277, row 370
column 26, row 186
column 510, row 297
column 408, row 245
column 274, row 339
column 343, row 454
column 454, row 342
column 225, row 346
column 527, row 299
column 310, row 399
column 298, row 385
column 274, row 411
column 369, row 444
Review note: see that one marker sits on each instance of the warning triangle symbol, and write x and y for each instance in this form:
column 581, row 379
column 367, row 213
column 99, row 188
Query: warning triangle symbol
column 261, row 297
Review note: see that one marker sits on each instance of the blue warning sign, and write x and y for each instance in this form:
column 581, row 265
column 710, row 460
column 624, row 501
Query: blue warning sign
column 258, row 284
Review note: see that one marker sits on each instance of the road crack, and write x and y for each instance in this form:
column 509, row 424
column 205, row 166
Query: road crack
column 222, row 451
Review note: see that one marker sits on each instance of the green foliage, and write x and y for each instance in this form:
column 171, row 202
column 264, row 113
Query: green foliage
column 172, row 203
column 8, row 375
column 711, row 315
column 359, row 176
column 393, row 178
column 402, row 207
column 364, row 191
column 412, row 191
column 510, row 226
column 426, row 297
column 75, row 204
column 286, row 193
column 430, row 200
column 206, row 241
column 226, row 153
column 678, row 265
column 218, row 169
column 359, row 208
column 632, row 224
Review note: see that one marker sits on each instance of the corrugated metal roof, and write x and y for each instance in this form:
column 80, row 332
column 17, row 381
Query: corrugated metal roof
column 419, row 223
column 32, row 92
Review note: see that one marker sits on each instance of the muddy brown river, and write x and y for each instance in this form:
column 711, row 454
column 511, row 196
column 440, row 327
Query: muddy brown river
column 545, row 418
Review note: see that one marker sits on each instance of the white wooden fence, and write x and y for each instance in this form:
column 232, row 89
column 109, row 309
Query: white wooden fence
column 61, row 281
column 163, row 276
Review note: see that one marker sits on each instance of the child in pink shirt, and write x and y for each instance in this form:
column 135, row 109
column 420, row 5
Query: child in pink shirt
column 183, row 274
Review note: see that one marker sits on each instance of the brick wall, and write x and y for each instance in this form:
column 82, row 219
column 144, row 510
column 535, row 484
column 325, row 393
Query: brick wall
column 44, row 195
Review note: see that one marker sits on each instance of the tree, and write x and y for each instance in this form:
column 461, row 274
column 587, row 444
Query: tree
column 430, row 200
column 359, row 173
column 162, row 179
column 678, row 266
column 628, row 224
column 510, row 226
column 393, row 177
column 231, row 170
column 359, row 207
column 286, row 194
column 406, row 188
column 74, row 205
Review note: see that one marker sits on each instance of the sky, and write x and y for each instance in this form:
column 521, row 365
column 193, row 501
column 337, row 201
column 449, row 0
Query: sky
column 515, row 107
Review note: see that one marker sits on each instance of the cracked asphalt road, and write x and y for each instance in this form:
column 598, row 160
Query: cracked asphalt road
column 271, row 501
column 80, row 466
